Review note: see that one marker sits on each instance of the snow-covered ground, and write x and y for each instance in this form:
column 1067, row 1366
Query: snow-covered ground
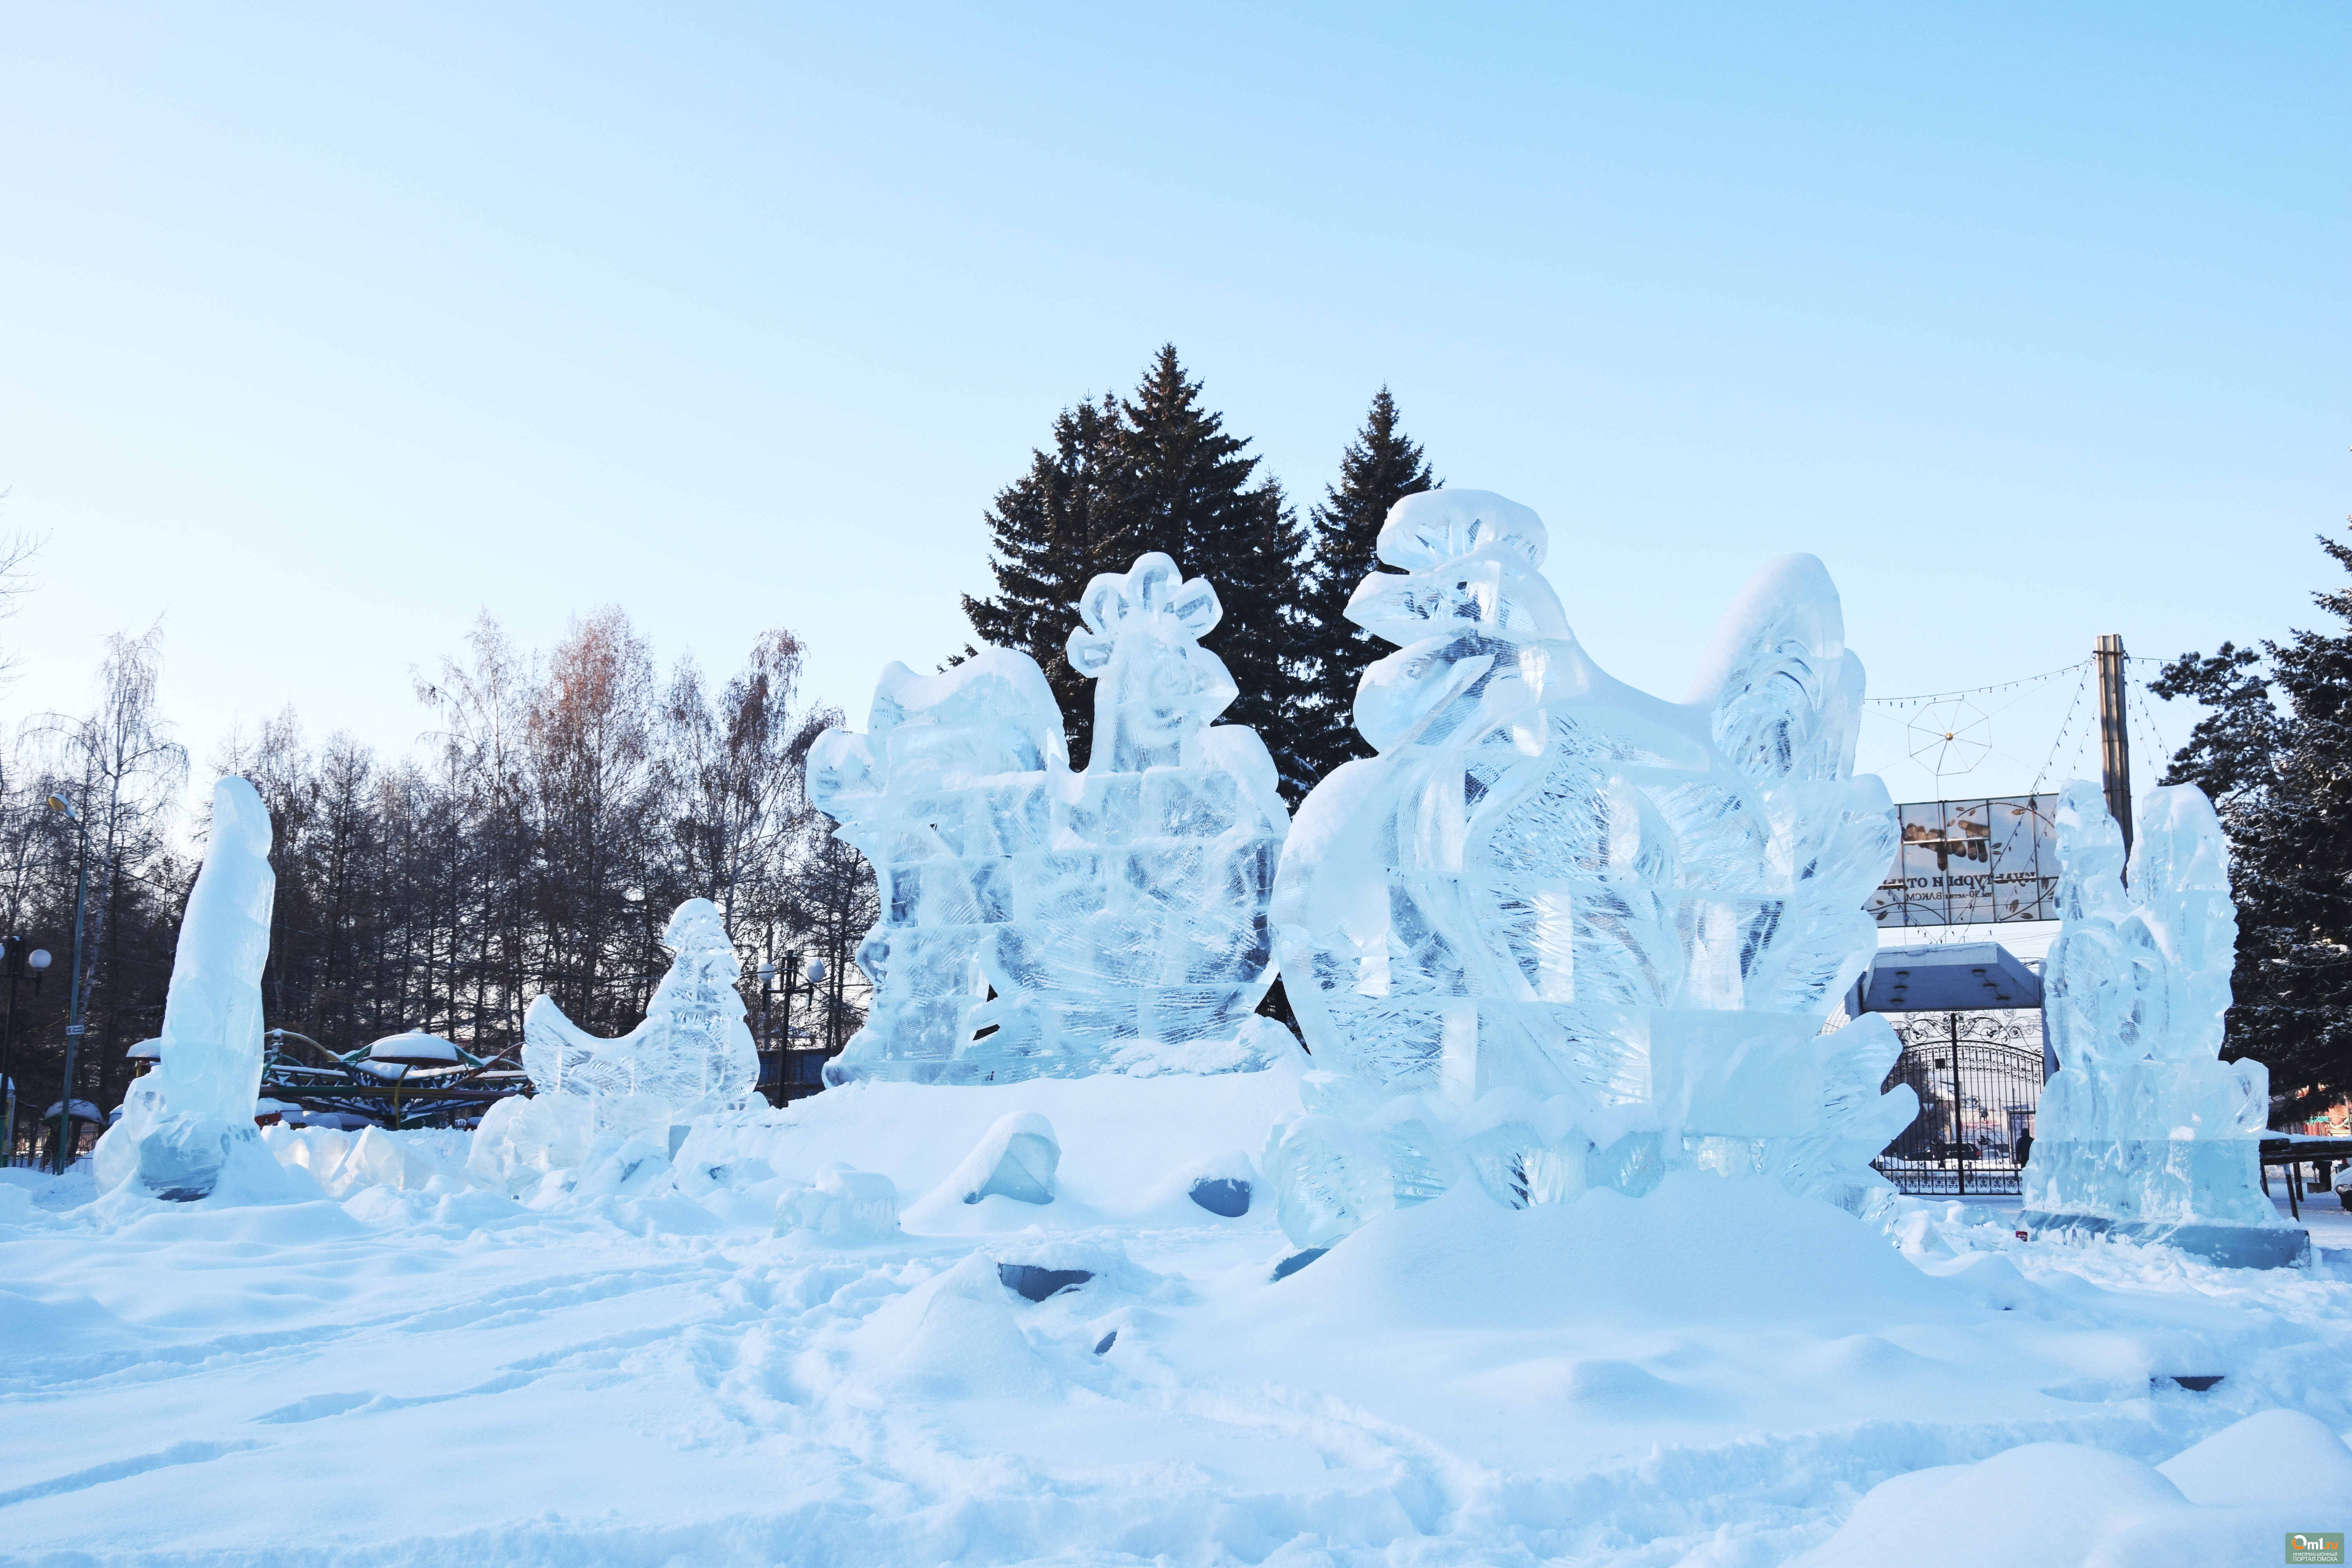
column 1716, row 1374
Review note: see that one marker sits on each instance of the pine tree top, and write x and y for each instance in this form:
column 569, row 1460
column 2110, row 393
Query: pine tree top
column 1379, row 468
column 1154, row 471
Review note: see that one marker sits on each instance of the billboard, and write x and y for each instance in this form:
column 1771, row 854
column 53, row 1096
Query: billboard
column 1972, row 862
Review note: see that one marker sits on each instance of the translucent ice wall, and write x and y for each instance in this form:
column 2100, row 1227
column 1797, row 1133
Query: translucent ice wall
column 1041, row 922
column 2144, row 1124
column 1560, row 931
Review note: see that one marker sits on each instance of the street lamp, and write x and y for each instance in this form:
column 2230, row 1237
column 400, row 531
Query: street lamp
column 17, row 961
column 767, row 1015
column 73, row 985
column 794, row 974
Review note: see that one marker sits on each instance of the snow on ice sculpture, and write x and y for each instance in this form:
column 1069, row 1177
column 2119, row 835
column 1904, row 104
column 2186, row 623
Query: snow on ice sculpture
column 1037, row 923
column 692, row 1054
column 187, row 1128
column 1562, row 933
column 2144, row 1132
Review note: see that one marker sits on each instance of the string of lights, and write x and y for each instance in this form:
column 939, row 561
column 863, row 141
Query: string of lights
column 2136, row 697
column 1973, row 690
column 2064, row 726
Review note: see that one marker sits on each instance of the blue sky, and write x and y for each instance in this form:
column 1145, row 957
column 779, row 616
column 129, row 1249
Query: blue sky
column 322, row 329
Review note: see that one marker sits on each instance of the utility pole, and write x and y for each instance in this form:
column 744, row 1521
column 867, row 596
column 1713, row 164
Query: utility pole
column 73, row 990
column 2115, row 740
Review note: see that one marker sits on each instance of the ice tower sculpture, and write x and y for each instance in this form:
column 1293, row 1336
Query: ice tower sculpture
column 187, row 1128
column 692, row 1054
column 2145, row 1133
column 1037, row 923
column 1562, row 933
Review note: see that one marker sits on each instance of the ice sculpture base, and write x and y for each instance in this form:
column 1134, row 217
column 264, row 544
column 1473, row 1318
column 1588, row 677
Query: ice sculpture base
column 181, row 1160
column 189, row 1157
column 2230, row 1245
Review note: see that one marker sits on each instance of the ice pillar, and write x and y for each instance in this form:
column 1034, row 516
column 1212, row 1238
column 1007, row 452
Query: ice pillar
column 190, row 1121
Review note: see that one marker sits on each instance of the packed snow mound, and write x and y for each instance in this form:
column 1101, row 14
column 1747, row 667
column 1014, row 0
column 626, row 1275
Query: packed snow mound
column 1040, row 922
column 1128, row 1149
column 1463, row 1260
column 2279, row 1456
column 1716, row 1371
column 1632, row 913
column 2229, row 1499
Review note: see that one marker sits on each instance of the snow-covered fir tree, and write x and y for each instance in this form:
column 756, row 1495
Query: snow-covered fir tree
column 2274, row 754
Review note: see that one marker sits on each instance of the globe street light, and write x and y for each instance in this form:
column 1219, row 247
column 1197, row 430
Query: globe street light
column 73, row 984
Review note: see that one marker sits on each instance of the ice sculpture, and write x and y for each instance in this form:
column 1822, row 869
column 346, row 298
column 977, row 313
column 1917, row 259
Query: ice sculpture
column 1562, row 933
column 187, row 1128
column 692, row 1054
column 1037, row 923
column 843, row 1204
column 1015, row 1158
column 2144, row 1132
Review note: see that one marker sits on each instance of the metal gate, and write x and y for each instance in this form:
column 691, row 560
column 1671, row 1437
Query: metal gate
column 1978, row 1079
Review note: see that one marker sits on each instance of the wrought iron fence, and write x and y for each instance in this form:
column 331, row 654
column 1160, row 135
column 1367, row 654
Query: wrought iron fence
column 1978, row 1079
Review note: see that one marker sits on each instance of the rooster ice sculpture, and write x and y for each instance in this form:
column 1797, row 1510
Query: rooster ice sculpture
column 1562, row 933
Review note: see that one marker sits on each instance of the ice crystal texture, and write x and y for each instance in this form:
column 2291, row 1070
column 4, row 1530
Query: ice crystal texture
column 2144, row 1124
column 1038, row 922
column 1633, row 915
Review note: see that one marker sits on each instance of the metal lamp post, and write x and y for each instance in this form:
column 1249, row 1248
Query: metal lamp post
column 18, row 960
column 73, row 985
column 795, row 975
column 767, row 1032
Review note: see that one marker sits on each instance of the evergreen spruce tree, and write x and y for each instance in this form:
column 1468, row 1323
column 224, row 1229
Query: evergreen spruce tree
column 1380, row 468
column 1052, row 530
column 2281, row 781
column 1184, row 488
